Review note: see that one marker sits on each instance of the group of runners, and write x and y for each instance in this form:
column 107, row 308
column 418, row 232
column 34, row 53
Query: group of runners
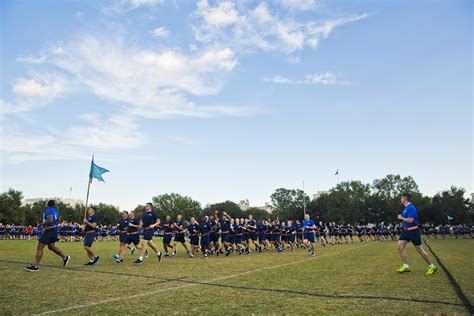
column 220, row 234
column 326, row 233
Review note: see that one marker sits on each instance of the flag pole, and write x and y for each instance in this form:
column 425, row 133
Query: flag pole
column 304, row 202
column 88, row 188
column 87, row 197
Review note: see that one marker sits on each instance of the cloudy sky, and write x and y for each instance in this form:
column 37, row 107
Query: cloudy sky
column 231, row 100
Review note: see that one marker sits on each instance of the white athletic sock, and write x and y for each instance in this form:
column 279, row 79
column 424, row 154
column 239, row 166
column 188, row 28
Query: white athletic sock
column 406, row 265
column 431, row 266
column 140, row 258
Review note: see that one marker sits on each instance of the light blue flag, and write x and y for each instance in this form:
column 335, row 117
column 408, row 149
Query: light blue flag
column 450, row 218
column 96, row 171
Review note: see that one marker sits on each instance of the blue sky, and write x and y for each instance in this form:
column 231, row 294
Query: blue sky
column 231, row 100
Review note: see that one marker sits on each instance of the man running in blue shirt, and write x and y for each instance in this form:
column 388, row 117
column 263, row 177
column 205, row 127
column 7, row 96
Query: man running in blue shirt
column 411, row 232
column 49, row 237
column 179, row 234
column 90, row 226
column 149, row 221
column 308, row 234
column 122, row 226
column 168, row 228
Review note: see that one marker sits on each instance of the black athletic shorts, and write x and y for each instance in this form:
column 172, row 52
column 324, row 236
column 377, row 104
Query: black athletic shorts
column 412, row 235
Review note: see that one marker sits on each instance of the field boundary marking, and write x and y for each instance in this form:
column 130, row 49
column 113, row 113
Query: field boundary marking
column 457, row 288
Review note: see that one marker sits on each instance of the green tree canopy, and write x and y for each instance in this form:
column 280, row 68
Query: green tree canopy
column 231, row 208
column 289, row 203
column 174, row 204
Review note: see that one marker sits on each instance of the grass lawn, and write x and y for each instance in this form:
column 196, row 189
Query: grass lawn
column 358, row 278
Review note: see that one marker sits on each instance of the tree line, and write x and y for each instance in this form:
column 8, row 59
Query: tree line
column 348, row 202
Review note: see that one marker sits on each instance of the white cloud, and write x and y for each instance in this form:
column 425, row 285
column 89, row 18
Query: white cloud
column 139, row 3
column 37, row 91
column 323, row 78
column 161, row 31
column 114, row 132
column 99, row 134
column 221, row 15
column 32, row 59
column 302, row 5
column 17, row 147
column 149, row 83
column 123, row 6
column 260, row 28
column 33, row 88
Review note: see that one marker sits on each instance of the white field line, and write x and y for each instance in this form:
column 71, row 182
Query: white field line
column 115, row 299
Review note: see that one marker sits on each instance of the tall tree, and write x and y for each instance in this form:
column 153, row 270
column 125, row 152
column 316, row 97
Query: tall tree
column 289, row 203
column 231, row 208
column 453, row 203
column 10, row 203
column 173, row 204
column 347, row 202
column 258, row 214
column 389, row 189
column 106, row 213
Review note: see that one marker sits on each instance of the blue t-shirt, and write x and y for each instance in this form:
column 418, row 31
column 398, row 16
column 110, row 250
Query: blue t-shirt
column 123, row 224
column 168, row 227
column 50, row 211
column 91, row 219
column 179, row 230
column 205, row 227
column 131, row 229
column 307, row 224
column 410, row 212
column 225, row 225
column 149, row 218
column 193, row 229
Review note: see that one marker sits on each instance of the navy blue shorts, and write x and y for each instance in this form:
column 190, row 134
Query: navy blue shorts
column 232, row 239
column 412, row 235
column 89, row 239
column 123, row 238
column 262, row 237
column 309, row 237
column 194, row 240
column 148, row 234
column 225, row 238
column 49, row 236
column 133, row 239
column 205, row 241
column 179, row 238
column 214, row 237
column 276, row 237
column 253, row 235
column 291, row 238
column 167, row 238
column 238, row 239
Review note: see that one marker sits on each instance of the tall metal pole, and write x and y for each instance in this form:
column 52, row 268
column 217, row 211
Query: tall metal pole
column 304, row 201
column 88, row 188
column 87, row 197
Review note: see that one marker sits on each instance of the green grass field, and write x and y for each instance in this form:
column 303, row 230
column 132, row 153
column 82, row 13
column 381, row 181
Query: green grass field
column 358, row 278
